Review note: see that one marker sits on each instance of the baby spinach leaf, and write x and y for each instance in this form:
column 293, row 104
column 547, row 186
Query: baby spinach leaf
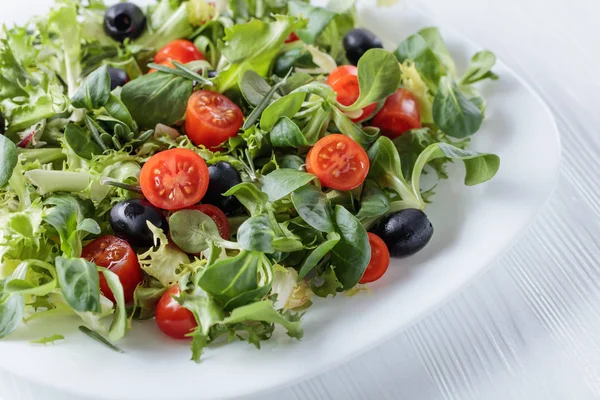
column 290, row 161
column 480, row 68
column 317, row 254
column 118, row 327
column 294, row 58
column 286, row 106
column 229, row 278
column 146, row 97
column 250, row 196
column 318, row 19
column 79, row 283
column 256, row 234
column 378, row 78
column 314, row 208
column 349, row 128
column 434, row 40
column 116, row 109
column 454, row 113
column 192, row 231
column 282, row 182
column 373, row 202
column 480, row 167
column 286, row 133
column 352, row 254
column 265, row 311
column 416, row 49
column 81, row 142
column 95, row 90
column 8, row 159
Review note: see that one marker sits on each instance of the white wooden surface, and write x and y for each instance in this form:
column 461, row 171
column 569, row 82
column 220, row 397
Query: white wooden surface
column 530, row 327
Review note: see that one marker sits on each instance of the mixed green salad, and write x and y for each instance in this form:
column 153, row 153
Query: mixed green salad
column 217, row 166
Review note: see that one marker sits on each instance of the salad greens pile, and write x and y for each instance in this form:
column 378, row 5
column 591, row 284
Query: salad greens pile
column 72, row 147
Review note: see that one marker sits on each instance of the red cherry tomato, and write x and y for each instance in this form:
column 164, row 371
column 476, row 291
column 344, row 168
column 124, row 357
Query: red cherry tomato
column 218, row 216
column 344, row 80
column 212, row 118
column 116, row 255
column 292, row 38
column 339, row 162
column 399, row 114
column 180, row 50
column 172, row 318
column 174, row 179
column 380, row 260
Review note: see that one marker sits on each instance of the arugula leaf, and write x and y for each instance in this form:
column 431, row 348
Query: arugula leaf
column 265, row 311
column 318, row 254
column 314, row 208
column 378, row 78
column 79, row 283
column 48, row 339
column 146, row 96
column 286, row 106
column 250, row 196
column 454, row 113
column 284, row 181
column 352, row 254
column 480, row 68
column 286, row 133
column 318, row 19
column 95, row 90
column 8, row 155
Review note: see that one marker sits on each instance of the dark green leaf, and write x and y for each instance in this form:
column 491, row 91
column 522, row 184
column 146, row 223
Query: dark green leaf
column 318, row 19
column 12, row 311
column 250, row 196
column 79, row 283
column 314, row 208
column 95, row 90
column 116, row 109
column 99, row 338
column 118, row 327
column 349, row 128
column 317, row 254
column 192, row 231
column 454, row 113
column 282, row 182
column 287, row 134
column 286, row 106
column 373, row 202
column 290, row 161
column 436, row 43
column 255, row 88
column 265, row 311
column 480, row 68
column 416, row 49
column 353, row 253
column 294, row 58
column 256, row 234
column 326, row 283
column 8, row 159
column 81, row 141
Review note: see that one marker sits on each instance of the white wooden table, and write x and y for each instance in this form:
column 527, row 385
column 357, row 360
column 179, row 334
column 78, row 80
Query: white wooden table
column 530, row 327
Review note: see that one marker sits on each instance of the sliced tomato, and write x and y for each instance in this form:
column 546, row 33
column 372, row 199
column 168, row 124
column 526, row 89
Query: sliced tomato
column 173, row 319
column 344, row 80
column 116, row 255
column 174, row 179
column 380, row 260
column 218, row 216
column 212, row 118
column 180, row 50
column 339, row 162
column 400, row 113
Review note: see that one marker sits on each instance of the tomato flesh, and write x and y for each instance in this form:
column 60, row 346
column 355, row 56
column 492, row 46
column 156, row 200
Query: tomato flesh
column 174, row 179
column 218, row 216
column 173, row 319
column 292, row 38
column 339, row 162
column 400, row 113
column 116, row 255
column 380, row 260
column 211, row 119
column 344, row 81
column 180, row 50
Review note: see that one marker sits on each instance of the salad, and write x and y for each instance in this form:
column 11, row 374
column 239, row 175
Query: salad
column 217, row 166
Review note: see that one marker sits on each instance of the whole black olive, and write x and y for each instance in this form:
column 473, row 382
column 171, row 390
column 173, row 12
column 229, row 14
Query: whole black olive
column 124, row 20
column 222, row 178
column 405, row 232
column 358, row 41
column 212, row 74
column 129, row 218
column 2, row 124
column 118, row 77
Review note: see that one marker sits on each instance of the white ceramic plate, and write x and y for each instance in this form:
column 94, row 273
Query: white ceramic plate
column 473, row 226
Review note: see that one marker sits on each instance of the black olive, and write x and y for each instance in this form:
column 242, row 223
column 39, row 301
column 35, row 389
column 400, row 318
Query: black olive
column 405, row 232
column 358, row 41
column 129, row 218
column 124, row 20
column 222, row 178
column 212, row 74
column 2, row 124
column 118, row 77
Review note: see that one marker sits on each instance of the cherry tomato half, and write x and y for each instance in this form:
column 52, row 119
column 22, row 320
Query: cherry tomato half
column 174, row 179
column 212, row 118
column 116, row 255
column 380, row 260
column 344, row 80
column 399, row 114
column 180, row 50
column 292, row 38
column 339, row 162
column 218, row 216
column 172, row 318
